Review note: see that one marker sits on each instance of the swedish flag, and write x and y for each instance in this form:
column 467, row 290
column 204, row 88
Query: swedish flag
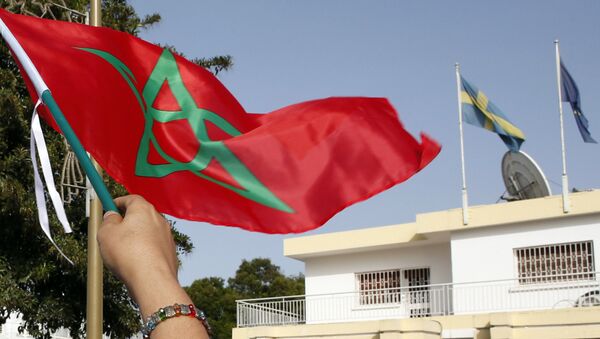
column 479, row 111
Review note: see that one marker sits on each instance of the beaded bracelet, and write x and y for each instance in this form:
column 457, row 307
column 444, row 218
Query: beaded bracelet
column 175, row 310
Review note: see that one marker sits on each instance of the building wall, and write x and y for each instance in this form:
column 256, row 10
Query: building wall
column 331, row 282
column 486, row 254
column 335, row 274
column 10, row 330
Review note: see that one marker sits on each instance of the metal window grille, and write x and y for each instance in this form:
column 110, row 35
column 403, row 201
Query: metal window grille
column 395, row 286
column 555, row 263
column 418, row 292
column 381, row 287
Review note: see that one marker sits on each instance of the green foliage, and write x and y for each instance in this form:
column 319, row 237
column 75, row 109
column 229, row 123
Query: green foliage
column 258, row 278
column 119, row 15
column 35, row 280
column 218, row 301
column 215, row 64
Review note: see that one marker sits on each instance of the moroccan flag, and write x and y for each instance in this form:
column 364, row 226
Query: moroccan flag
column 168, row 130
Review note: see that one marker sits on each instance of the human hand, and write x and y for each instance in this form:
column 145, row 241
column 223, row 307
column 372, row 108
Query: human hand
column 139, row 244
column 140, row 250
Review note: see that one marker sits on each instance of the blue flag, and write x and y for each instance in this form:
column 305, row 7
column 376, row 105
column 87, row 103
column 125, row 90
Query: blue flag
column 479, row 111
column 570, row 94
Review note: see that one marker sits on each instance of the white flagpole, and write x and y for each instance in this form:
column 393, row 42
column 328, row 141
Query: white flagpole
column 565, row 180
column 465, row 201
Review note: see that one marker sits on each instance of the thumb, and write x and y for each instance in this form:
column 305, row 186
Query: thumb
column 111, row 217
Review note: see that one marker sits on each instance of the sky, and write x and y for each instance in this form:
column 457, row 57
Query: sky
column 287, row 52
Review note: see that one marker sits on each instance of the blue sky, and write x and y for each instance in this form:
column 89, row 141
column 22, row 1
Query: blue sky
column 291, row 51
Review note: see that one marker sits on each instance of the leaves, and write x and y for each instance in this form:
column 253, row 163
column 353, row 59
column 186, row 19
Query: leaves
column 119, row 15
column 215, row 64
column 254, row 279
column 35, row 280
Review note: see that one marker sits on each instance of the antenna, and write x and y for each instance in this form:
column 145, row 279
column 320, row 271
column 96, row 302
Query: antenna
column 523, row 178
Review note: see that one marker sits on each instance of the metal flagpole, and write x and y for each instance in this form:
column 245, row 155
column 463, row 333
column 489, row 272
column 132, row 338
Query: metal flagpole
column 465, row 201
column 94, row 261
column 565, row 180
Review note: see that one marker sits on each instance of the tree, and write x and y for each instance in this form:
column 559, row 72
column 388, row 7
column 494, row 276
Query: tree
column 257, row 278
column 35, row 280
column 217, row 301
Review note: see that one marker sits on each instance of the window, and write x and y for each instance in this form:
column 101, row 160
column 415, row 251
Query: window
column 381, row 287
column 555, row 263
column 394, row 286
column 418, row 292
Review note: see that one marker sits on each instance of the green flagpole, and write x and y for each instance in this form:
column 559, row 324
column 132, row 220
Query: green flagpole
column 80, row 153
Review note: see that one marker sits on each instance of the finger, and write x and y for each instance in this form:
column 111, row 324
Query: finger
column 111, row 217
column 129, row 202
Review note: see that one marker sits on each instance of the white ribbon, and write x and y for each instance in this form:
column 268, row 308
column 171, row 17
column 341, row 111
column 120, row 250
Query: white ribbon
column 38, row 142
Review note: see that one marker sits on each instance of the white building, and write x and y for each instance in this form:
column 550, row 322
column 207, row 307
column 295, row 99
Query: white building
column 523, row 269
column 10, row 330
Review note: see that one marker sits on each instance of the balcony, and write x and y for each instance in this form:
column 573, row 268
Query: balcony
column 534, row 293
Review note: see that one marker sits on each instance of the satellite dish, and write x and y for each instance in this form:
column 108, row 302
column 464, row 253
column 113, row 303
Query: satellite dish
column 523, row 178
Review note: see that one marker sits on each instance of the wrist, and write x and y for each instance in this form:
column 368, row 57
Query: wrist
column 159, row 290
column 174, row 311
column 155, row 291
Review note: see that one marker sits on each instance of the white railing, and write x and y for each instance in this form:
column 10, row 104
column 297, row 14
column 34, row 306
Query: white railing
column 271, row 311
column 422, row 301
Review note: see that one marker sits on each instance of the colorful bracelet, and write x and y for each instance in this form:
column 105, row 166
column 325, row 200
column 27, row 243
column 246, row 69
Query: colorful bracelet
column 173, row 311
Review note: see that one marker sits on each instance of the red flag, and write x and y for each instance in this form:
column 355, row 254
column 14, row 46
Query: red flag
column 170, row 131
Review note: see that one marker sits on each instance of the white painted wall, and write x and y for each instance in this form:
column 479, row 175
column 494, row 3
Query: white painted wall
column 487, row 254
column 336, row 274
column 482, row 254
column 333, row 278
column 10, row 330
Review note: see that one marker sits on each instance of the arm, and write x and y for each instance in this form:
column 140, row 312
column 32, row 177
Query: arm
column 140, row 250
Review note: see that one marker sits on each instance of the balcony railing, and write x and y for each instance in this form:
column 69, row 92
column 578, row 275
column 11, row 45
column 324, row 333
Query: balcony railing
column 422, row 301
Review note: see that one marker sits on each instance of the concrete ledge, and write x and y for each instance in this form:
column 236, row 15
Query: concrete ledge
column 564, row 323
column 428, row 225
column 561, row 323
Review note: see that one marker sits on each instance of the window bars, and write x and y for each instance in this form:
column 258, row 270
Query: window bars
column 381, row 287
column 555, row 263
column 394, row 287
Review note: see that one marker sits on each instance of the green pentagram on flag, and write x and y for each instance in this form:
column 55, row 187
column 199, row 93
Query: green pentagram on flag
column 166, row 70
